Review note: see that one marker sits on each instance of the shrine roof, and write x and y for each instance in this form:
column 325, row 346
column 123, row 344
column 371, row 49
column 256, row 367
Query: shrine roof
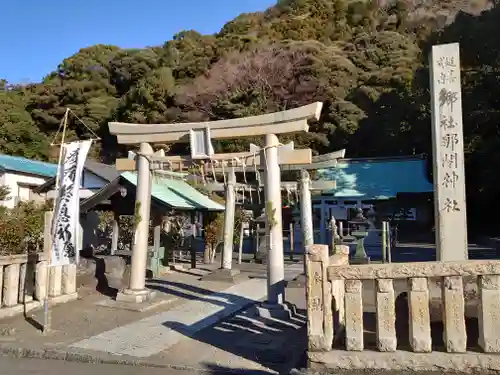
column 177, row 193
column 27, row 166
column 378, row 178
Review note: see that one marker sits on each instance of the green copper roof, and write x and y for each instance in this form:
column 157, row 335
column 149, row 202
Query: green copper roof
column 379, row 178
column 27, row 166
column 177, row 193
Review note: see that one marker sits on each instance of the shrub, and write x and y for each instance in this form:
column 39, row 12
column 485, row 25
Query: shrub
column 21, row 228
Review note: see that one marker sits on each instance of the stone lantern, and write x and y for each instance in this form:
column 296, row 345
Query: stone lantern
column 359, row 231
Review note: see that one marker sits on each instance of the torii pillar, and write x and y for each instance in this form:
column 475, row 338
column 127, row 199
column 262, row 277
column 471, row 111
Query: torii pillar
column 272, row 194
column 137, row 292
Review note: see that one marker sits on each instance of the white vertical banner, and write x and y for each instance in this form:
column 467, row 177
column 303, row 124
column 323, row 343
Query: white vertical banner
column 65, row 224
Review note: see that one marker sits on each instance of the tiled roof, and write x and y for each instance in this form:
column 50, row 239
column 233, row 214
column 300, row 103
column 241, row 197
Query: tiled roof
column 377, row 178
column 105, row 171
column 177, row 194
column 27, row 166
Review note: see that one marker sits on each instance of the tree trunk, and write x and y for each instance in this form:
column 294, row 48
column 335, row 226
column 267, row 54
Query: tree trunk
column 207, row 254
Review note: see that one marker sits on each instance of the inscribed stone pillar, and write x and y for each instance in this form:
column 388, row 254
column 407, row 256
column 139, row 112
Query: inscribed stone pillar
column 489, row 313
column 10, row 285
column 227, row 254
column 419, row 315
column 454, row 335
column 319, row 299
column 386, row 316
column 448, row 153
column 353, row 315
column 272, row 192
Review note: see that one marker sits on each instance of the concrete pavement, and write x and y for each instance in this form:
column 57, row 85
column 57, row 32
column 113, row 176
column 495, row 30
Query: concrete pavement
column 23, row 366
column 156, row 333
column 204, row 326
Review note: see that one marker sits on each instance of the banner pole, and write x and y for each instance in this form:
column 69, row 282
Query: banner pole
column 47, row 318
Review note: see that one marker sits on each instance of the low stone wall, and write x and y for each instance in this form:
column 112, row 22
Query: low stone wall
column 420, row 279
column 26, row 280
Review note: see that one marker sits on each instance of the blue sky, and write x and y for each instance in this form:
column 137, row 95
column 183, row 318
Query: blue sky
column 36, row 35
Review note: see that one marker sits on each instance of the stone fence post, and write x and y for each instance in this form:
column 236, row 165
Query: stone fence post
column 319, row 299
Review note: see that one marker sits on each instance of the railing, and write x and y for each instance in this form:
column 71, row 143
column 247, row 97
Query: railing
column 325, row 300
column 25, row 281
column 322, row 276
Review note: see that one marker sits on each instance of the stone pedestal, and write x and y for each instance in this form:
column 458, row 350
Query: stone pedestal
column 386, row 316
column 55, row 281
column 454, row 335
column 135, row 296
column 354, row 315
column 10, row 285
column 68, row 279
column 489, row 313
column 223, row 275
column 360, row 256
column 299, row 282
column 274, row 311
column 419, row 315
column 41, row 280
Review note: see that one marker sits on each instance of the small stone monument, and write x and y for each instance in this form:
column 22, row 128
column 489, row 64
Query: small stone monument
column 359, row 231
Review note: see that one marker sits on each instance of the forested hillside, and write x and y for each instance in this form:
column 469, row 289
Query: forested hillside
column 366, row 60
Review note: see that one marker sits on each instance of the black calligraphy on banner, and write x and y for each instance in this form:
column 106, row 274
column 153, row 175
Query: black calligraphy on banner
column 63, row 226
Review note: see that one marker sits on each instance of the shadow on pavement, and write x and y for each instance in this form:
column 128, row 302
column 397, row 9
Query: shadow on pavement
column 220, row 370
column 271, row 343
column 194, row 293
column 274, row 344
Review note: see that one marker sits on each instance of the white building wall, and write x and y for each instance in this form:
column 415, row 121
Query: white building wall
column 20, row 186
column 91, row 184
column 91, row 181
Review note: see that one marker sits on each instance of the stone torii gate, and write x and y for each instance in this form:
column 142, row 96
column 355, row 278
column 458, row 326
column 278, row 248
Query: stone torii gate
column 289, row 121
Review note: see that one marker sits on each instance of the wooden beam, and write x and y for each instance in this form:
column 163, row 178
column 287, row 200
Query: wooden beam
column 289, row 121
column 318, row 162
column 290, row 185
column 179, row 163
